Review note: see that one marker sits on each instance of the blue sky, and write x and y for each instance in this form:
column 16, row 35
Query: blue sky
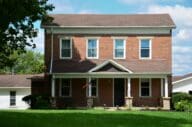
column 180, row 11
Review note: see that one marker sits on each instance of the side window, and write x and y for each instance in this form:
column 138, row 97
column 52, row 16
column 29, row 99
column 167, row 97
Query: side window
column 145, row 49
column 66, row 87
column 145, row 88
column 119, row 49
column 12, row 98
column 66, row 48
column 92, row 48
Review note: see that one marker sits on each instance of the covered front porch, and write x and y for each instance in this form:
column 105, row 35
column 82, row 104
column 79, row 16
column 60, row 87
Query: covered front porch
column 111, row 90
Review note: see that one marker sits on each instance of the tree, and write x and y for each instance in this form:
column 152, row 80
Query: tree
column 16, row 25
column 25, row 63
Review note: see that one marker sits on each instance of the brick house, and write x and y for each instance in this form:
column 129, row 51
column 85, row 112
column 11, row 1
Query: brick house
column 96, row 60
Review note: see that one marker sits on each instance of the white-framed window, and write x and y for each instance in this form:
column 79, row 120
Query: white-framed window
column 94, row 88
column 65, row 48
column 92, row 48
column 145, row 87
column 65, row 88
column 119, row 49
column 12, row 98
column 145, row 49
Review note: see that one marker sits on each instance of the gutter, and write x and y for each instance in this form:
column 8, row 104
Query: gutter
column 51, row 61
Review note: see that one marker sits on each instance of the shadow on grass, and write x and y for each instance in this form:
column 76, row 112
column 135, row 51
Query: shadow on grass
column 90, row 119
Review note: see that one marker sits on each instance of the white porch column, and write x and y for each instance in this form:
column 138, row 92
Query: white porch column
column 166, row 87
column 89, row 87
column 128, row 87
column 53, row 87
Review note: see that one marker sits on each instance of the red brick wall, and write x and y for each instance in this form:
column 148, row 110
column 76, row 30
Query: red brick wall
column 161, row 48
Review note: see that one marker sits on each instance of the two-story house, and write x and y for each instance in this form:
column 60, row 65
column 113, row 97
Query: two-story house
column 96, row 60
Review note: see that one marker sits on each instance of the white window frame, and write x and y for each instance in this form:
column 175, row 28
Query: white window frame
column 87, row 88
column 124, row 45
column 150, row 49
column 66, row 38
column 150, row 87
column 60, row 87
column 97, row 46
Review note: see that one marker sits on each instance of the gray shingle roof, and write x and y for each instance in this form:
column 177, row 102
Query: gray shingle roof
column 111, row 20
column 15, row 80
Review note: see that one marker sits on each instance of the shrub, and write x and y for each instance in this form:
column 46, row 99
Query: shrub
column 183, row 105
column 38, row 101
column 181, row 96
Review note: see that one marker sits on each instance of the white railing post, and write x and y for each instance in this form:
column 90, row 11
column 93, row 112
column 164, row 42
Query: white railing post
column 89, row 87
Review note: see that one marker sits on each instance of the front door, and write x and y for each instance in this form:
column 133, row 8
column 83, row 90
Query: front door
column 119, row 95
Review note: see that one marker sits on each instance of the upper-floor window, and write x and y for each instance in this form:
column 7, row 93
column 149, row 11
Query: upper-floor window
column 145, row 49
column 66, row 48
column 145, row 87
column 119, row 49
column 66, row 87
column 92, row 48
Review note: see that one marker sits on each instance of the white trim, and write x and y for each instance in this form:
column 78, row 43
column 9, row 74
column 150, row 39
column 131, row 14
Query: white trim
column 109, row 31
column 70, row 86
column 124, row 48
column 150, row 49
column 119, row 37
column 181, row 80
column 111, row 62
column 145, row 37
column 150, row 87
column 71, row 47
column 97, row 46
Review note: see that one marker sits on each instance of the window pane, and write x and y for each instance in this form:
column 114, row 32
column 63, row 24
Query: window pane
column 145, row 43
column 92, row 43
column 119, row 44
column 66, row 44
column 145, row 92
column 119, row 53
column 145, row 87
column 144, row 52
column 92, row 52
column 66, row 52
column 94, row 91
column 12, row 98
column 65, row 87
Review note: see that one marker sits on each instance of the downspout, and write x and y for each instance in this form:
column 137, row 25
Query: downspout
column 51, row 62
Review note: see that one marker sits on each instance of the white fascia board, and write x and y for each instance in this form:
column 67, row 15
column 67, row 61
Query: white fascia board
column 109, row 30
column 181, row 80
column 113, row 63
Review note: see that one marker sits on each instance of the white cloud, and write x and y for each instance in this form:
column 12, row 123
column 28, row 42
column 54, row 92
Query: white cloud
column 87, row 12
column 182, row 15
column 183, row 34
column 182, row 49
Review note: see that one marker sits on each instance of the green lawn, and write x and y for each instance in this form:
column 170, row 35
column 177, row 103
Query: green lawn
column 93, row 118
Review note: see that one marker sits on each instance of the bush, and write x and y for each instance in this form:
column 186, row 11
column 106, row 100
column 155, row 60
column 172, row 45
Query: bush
column 183, row 105
column 38, row 101
column 177, row 97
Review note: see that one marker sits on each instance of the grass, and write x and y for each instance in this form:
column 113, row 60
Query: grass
column 93, row 118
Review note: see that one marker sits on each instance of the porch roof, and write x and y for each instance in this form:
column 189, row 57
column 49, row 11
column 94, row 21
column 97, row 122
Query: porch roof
column 135, row 66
